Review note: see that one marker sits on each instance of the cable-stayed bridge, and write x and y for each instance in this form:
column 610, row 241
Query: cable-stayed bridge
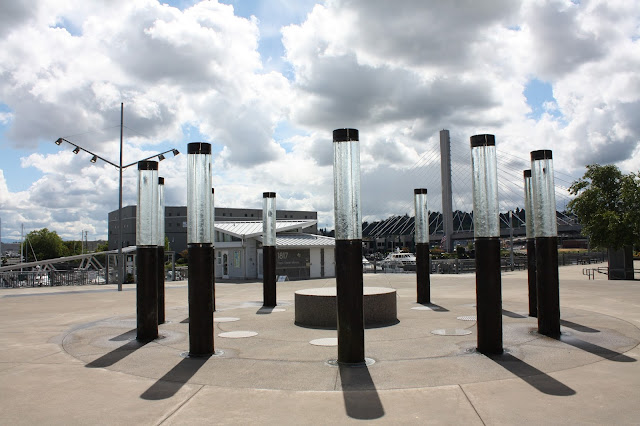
column 446, row 173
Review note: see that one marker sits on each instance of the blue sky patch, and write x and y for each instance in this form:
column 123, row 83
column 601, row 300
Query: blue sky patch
column 540, row 98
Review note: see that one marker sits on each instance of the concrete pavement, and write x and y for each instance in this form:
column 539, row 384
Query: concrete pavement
column 68, row 355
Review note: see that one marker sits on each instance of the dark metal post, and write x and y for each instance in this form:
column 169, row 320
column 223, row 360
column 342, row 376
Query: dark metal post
column 531, row 244
column 348, row 227
column 423, row 265
column 269, row 249
column 147, row 251
column 199, row 221
column 120, row 262
column 486, row 225
column 546, row 235
column 161, row 316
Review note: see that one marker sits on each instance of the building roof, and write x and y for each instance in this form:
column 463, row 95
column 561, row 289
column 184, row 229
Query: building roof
column 302, row 240
column 253, row 228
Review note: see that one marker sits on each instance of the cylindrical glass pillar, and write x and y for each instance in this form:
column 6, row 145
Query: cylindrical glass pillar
column 147, row 212
column 269, row 249
column 269, row 219
column 346, row 184
column 348, row 227
column 161, row 211
column 531, row 244
column 486, row 226
column 423, row 269
column 199, row 212
column 486, row 222
column 545, row 229
column 422, row 216
column 199, row 232
column 545, row 223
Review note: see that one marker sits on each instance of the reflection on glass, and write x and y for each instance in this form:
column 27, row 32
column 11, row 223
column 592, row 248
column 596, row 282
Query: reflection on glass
column 346, row 186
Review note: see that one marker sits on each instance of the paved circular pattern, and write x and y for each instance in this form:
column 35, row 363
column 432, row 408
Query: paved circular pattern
column 450, row 332
column 468, row 318
column 367, row 362
column 327, row 341
column 238, row 334
column 225, row 319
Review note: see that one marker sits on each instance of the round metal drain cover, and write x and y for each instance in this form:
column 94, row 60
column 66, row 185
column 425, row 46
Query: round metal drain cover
column 215, row 353
column 422, row 308
column 327, row 341
column 450, row 332
column 367, row 362
column 468, row 318
column 225, row 319
column 238, row 334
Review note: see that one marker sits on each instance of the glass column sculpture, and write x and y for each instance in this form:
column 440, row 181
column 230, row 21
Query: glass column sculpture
column 269, row 249
column 423, row 265
column 161, row 313
column 486, row 227
column 531, row 244
column 147, row 251
column 200, row 248
column 545, row 228
column 348, row 231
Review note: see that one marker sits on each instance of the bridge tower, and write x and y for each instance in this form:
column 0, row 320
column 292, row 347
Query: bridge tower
column 447, row 197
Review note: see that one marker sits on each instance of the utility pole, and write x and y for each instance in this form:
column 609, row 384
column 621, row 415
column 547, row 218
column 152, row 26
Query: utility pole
column 120, row 260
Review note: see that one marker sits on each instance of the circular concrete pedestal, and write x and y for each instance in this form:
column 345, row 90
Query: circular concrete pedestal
column 316, row 307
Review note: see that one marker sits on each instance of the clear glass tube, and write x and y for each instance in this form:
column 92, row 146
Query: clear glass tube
column 528, row 204
column 422, row 216
column 199, row 203
column 545, row 223
column 161, row 212
column 147, row 210
column 484, row 171
column 269, row 219
column 346, row 186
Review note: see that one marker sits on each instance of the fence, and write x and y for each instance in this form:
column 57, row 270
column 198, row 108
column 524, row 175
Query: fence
column 15, row 279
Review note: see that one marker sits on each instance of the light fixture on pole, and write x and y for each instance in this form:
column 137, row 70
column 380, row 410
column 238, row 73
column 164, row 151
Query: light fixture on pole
column 160, row 157
column 94, row 159
column 76, row 150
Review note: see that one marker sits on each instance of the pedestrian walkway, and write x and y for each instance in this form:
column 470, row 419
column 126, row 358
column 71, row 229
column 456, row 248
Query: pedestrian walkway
column 69, row 356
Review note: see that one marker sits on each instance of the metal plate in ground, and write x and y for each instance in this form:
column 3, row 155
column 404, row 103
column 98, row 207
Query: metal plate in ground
column 238, row 334
column 367, row 362
column 468, row 318
column 422, row 308
column 269, row 310
column 225, row 319
column 450, row 332
column 327, row 341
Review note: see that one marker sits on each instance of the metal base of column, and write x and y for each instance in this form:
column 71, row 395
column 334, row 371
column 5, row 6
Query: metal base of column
column 161, row 318
column 423, row 271
column 488, row 295
column 350, row 301
column 147, row 293
column 531, row 271
column 269, row 276
column 200, row 299
column 548, row 288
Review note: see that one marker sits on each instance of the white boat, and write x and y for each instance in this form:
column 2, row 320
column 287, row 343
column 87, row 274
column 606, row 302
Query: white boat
column 398, row 259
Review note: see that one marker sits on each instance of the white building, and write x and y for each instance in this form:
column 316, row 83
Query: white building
column 238, row 250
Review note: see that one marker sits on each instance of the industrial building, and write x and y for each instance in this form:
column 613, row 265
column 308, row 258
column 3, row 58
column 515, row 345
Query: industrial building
column 301, row 253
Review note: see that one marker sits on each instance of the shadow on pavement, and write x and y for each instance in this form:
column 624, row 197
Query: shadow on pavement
column 120, row 353
column 578, row 327
column 512, row 314
column 536, row 378
column 361, row 399
column 434, row 307
column 169, row 384
column 595, row 349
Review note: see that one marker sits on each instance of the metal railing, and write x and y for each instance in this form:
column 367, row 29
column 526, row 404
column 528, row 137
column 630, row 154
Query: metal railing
column 17, row 279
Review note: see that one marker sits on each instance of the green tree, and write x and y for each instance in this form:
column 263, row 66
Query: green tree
column 607, row 205
column 44, row 244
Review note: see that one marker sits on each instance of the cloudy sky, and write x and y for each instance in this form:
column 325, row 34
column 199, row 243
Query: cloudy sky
column 266, row 82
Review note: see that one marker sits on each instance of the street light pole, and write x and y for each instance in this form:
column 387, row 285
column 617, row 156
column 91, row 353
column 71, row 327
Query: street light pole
column 120, row 260
column 120, row 167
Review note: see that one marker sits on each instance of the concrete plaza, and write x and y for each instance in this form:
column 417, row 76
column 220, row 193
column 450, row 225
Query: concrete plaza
column 68, row 355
